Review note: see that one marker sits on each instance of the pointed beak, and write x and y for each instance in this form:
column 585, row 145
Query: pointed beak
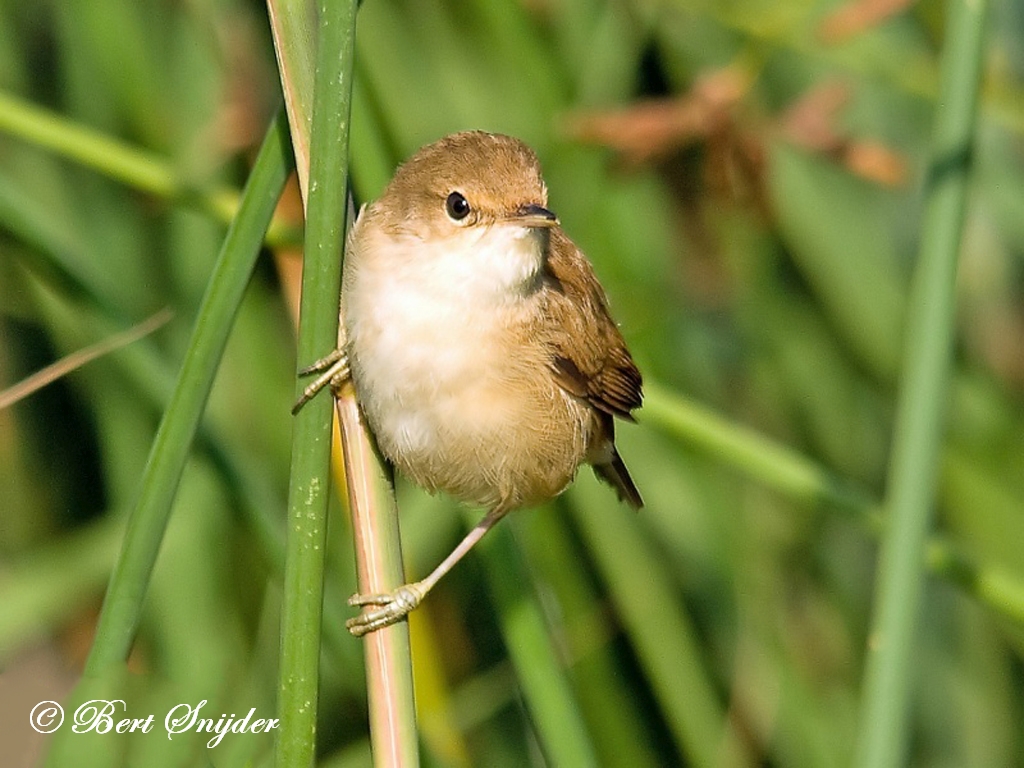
column 534, row 216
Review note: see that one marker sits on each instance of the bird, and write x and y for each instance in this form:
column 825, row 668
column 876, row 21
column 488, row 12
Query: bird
column 479, row 342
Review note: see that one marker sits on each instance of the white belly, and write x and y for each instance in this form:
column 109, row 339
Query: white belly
column 455, row 393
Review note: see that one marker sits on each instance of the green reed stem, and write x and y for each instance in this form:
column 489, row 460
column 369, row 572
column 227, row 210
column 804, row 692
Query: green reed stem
column 122, row 605
column 910, row 495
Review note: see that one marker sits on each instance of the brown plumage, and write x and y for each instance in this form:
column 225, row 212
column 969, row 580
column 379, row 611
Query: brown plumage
column 479, row 340
column 590, row 359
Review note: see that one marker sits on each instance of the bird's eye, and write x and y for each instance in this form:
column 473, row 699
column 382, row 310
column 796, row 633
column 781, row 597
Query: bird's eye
column 457, row 206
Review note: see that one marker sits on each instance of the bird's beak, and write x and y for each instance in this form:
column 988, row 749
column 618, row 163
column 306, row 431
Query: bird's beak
column 534, row 216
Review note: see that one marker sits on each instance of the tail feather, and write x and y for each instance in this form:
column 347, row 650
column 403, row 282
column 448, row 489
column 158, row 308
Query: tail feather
column 614, row 473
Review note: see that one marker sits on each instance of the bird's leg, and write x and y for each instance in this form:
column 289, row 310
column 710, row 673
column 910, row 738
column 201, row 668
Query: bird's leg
column 396, row 605
column 333, row 370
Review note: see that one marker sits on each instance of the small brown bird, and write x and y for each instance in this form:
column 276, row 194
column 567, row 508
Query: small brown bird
column 479, row 342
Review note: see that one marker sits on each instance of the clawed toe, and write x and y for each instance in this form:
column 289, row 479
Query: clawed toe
column 391, row 608
column 333, row 370
column 360, row 600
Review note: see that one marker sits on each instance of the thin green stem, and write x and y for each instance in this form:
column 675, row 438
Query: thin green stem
column 800, row 478
column 134, row 167
column 138, row 168
column 542, row 677
column 122, row 605
column 922, row 401
column 751, row 452
column 302, row 614
column 660, row 631
column 295, row 34
column 371, row 499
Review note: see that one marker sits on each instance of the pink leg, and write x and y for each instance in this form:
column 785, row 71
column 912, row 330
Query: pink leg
column 394, row 606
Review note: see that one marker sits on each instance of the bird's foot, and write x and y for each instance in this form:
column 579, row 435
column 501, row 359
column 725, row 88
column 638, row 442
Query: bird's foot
column 333, row 370
column 391, row 607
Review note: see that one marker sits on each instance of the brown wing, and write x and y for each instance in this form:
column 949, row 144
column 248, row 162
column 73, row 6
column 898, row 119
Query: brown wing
column 590, row 356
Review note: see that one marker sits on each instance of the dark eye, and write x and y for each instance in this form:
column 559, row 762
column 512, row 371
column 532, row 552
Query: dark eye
column 457, row 206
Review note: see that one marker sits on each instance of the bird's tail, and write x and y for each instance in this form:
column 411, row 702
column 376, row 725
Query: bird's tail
column 614, row 473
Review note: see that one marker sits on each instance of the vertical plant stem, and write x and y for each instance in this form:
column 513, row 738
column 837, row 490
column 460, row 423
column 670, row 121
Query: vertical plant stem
column 665, row 640
column 294, row 28
column 542, row 677
column 311, row 437
column 122, row 605
column 371, row 500
column 922, row 400
column 393, row 733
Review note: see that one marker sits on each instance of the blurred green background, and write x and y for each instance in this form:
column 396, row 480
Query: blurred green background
column 745, row 177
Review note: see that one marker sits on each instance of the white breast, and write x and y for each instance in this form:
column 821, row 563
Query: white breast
column 426, row 337
column 448, row 368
